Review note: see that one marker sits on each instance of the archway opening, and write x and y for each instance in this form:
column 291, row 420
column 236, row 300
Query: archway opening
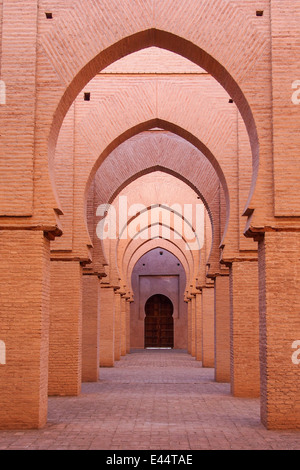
column 172, row 43
column 159, row 323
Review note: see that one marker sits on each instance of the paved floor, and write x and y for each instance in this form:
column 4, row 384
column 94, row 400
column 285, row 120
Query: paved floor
column 156, row 400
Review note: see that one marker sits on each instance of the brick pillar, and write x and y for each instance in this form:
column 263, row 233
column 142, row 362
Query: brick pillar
column 24, row 328
column 128, row 309
column 245, row 374
column 222, row 329
column 65, row 352
column 279, row 305
column 107, row 326
column 117, row 341
column 90, row 328
column 189, row 326
column 193, row 326
column 123, row 326
column 199, row 326
column 208, row 347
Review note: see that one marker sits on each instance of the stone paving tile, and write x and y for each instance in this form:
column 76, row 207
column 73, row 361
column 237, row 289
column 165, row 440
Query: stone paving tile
column 155, row 400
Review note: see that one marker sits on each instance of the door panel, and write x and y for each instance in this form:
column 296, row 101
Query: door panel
column 159, row 323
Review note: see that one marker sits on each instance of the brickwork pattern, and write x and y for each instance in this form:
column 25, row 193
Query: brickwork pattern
column 253, row 58
column 222, row 329
column 107, row 326
column 208, row 341
column 65, row 350
column 24, row 309
column 244, row 321
column 118, row 327
column 90, row 328
column 198, row 327
column 279, row 328
column 138, row 405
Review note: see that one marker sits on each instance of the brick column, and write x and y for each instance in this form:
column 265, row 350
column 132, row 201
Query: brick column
column 208, row 347
column 193, row 326
column 107, row 326
column 128, row 309
column 90, row 328
column 245, row 375
column 199, row 326
column 123, row 326
column 222, row 329
column 117, row 341
column 279, row 305
column 189, row 325
column 24, row 328
column 65, row 353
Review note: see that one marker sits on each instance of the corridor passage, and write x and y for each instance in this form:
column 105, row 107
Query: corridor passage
column 153, row 399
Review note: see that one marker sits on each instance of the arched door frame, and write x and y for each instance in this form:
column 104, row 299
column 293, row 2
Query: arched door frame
column 159, row 322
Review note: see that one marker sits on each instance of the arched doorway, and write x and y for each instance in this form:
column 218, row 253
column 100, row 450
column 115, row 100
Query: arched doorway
column 159, row 324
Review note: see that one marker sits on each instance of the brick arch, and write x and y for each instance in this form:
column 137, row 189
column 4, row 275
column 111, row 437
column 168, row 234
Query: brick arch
column 115, row 244
column 169, row 171
column 163, row 207
column 168, row 126
column 130, row 250
column 116, row 268
column 159, row 293
column 202, row 124
column 175, row 130
column 125, row 120
column 213, row 214
column 127, row 249
column 158, row 224
column 195, row 258
column 180, row 39
column 166, row 40
column 145, row 228
column 158, row 152
column 167, row 245
column 175, row 288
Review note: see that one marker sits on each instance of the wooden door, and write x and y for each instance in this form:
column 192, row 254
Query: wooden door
column 159, row 324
